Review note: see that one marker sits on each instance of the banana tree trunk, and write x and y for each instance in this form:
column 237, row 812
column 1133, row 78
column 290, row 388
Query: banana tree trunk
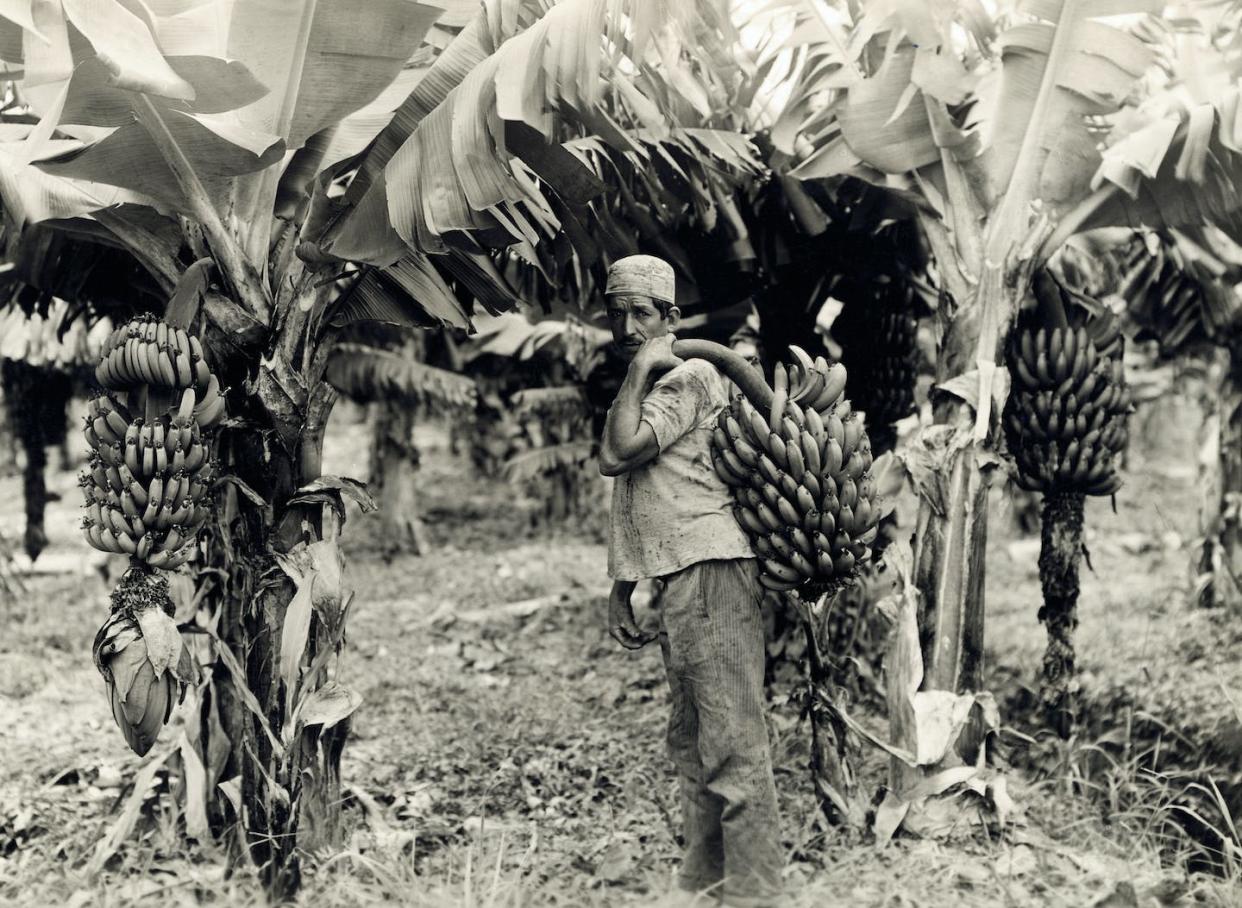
column 1222, row 552
column 36, row 399
column 951, row 533
column 1059, row 555
column 950, row 542
column 271, row 728
column 394, row 475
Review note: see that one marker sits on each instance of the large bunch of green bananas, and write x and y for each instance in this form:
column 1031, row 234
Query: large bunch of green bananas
column 799, row 473
column 1066, row 416
column 880, row 350
column 146, row 486
column 1179, row 289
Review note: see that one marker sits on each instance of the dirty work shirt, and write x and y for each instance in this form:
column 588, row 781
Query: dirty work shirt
column 674, row 511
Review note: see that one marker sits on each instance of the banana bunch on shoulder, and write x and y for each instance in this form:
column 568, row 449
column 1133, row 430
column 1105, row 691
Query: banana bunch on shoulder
column 1065, row 420
column 148, row 352
column 799, row 473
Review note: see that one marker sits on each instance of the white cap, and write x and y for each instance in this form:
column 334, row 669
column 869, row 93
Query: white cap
column 642, row 274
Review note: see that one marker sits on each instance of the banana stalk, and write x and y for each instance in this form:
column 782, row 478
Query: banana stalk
column 1061, row 548
column 831, row 740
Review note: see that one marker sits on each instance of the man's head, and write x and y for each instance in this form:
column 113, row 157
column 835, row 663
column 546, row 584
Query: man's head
column 640, row 301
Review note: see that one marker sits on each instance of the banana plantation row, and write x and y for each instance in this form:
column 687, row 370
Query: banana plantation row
column 264, row 203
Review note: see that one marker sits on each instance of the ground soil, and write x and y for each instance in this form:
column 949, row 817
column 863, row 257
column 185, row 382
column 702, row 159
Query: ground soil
column 508, row 752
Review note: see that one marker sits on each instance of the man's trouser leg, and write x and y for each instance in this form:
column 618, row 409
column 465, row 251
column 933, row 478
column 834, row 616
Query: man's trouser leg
column 712, row 639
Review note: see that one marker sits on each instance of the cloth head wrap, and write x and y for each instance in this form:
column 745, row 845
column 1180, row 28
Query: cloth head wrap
column 643, row 274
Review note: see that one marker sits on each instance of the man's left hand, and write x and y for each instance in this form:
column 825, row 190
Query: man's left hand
column 622, row 626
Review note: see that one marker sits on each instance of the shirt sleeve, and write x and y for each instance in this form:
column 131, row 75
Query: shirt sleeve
column 677, row 404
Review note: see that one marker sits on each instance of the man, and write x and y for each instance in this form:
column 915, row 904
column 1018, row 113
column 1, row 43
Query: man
column 672, row 519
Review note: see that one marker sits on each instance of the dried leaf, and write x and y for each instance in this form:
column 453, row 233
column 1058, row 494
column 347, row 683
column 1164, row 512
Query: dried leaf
column 123, row 825
column 242, row 689
column 231, row 789
column 329, row 705
column 889, row 817
column 346, row 485
column 195, row 791
column 939, row 716
column 162, row 638
column 293, row 636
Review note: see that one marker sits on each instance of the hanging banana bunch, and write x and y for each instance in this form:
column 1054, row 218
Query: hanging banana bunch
column 797, row 459
column 1065, row 424
column 1163, row 295
column 1065, row 420
column 878, row 332
column 147, row 488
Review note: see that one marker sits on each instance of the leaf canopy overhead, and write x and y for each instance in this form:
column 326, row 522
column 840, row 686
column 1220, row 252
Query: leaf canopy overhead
column 417, row 138
column 1035, row 106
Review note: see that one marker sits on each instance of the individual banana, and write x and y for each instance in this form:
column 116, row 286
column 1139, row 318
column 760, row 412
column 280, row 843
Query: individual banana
column 788, row 514
column 793, row 456
column 834, row 458
column 814, row 484
column 776, row 448
column 750, row 521
column 769, row 517
column 194, row 457
column 780, row 394
column 780, row 570
column 802, row 565
column 776, row 584
column 802, row 542
column 788, row 487
column 834, row 386
column 853, row 429
column 185, row 372
column 717, row 464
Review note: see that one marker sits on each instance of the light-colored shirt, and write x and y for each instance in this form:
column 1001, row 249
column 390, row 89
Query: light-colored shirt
column 674, row 511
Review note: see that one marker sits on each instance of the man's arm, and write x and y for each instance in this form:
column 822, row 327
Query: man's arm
column 628, row 441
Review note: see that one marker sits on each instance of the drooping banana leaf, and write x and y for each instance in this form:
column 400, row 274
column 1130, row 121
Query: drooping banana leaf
column 1056, row 70
column 366, row 373
column 1181, row 170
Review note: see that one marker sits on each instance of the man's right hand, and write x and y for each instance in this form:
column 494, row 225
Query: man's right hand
column 621, row 624
column 656, row 355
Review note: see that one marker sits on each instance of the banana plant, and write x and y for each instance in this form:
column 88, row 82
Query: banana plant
column 1182, row 292
column 989, row 124
column 385, row 367
column 282, row 172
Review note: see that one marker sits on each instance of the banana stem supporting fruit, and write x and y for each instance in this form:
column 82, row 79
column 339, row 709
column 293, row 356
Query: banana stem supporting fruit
column 734, row 367
column 1060, row 551
column 831, row 772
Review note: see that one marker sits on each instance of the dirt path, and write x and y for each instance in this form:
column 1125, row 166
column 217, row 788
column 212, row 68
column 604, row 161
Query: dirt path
column 508, row 752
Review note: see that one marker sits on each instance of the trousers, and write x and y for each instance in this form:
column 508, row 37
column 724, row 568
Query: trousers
column 711, row 637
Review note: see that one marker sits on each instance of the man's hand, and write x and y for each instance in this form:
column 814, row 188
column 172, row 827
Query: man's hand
column 621, row 624
column 656, row 355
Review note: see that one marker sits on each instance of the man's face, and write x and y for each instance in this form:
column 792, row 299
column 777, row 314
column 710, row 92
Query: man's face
column 634, row 319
